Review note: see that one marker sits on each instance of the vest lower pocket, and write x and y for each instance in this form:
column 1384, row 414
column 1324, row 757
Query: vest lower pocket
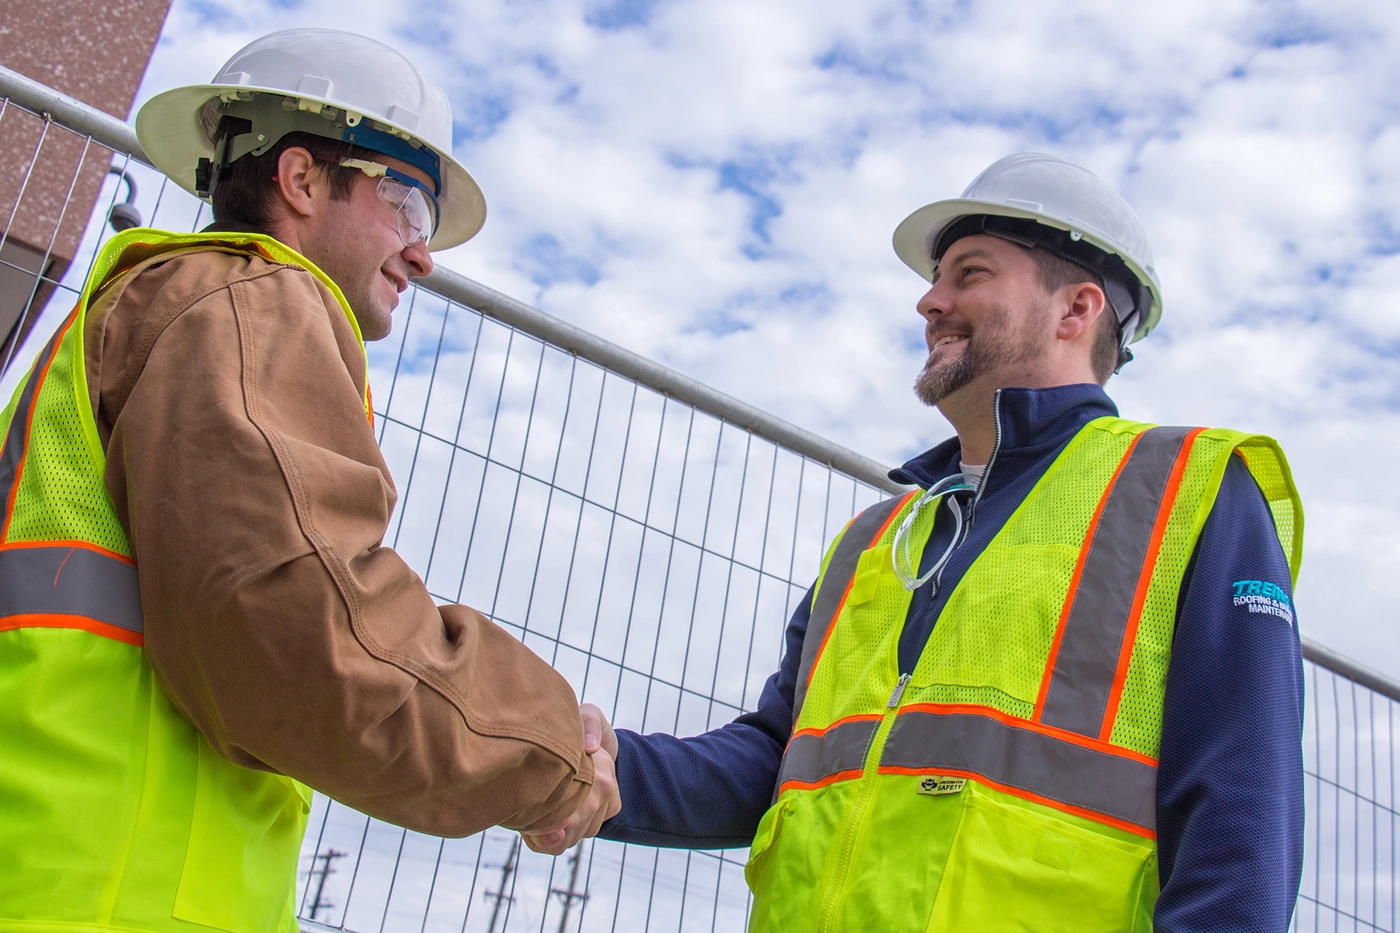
column 240, row 865
column 1011, row 869
column 760, row 851
column 780, row 869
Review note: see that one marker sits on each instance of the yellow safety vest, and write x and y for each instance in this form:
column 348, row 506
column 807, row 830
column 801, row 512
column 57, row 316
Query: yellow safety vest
column 115, row 814
column 1009, row 783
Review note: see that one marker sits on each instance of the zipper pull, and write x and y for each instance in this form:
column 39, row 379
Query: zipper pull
column 898, row 691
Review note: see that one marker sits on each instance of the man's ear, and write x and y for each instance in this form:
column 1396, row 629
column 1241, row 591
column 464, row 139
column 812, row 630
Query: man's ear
column 1083, row 305
column 296, row 177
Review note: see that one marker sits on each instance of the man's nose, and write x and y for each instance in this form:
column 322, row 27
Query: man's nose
column 420, row 261
column 934, row 304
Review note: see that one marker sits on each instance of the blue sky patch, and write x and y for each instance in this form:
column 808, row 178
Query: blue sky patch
column 547, row 262
column 621, row 14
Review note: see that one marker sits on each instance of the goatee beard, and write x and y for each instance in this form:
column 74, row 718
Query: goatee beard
column 996, row 342
column 936, row 382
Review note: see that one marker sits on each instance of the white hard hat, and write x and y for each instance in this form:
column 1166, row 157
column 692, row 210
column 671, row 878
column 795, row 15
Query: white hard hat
column 330, row 83
column 1069, row 206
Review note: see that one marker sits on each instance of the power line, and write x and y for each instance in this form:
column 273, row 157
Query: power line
column 500, row 896
column 327, row 860
column 572, row 894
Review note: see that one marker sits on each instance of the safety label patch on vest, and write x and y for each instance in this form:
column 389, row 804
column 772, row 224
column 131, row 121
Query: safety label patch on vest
column 941, row 785
column 1264, row 597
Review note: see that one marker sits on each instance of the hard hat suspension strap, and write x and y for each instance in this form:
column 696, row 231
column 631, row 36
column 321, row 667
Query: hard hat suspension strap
column 272, row 117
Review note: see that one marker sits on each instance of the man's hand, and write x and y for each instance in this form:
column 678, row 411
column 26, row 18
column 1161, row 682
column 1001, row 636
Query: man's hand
column 604, row 799
column 597, row 731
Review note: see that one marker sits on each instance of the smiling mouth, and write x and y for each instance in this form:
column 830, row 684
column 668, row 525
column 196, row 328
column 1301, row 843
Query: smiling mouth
column 950, row 338
column 398, row 285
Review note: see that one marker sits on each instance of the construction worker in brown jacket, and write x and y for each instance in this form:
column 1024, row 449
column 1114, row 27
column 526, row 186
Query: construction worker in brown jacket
column 197, row 617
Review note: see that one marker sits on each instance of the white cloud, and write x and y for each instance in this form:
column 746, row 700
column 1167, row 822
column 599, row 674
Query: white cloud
column 714, row 184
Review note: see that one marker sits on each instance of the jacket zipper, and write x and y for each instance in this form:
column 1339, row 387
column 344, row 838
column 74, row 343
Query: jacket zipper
column 977, row 497
column 867, row 787
column 877, row 744
column 991, row 461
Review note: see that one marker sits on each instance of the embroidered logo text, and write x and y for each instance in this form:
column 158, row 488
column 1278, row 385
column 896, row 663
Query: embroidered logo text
column 1265, row 597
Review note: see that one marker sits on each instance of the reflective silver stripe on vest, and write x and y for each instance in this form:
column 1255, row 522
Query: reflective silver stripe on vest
column 1098, row 620
column 1057, row 770
column 810, row 758
column 839, row 570
column 67, row 580
column 12, row 454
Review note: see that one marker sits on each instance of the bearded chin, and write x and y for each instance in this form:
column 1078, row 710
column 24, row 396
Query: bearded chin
column 937, row 381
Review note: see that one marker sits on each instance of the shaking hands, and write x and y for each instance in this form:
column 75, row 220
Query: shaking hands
column 603, row 801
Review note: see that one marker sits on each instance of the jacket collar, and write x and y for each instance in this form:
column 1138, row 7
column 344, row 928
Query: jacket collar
column 1030, row 421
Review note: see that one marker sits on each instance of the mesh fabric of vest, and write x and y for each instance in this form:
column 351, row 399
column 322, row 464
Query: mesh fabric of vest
column 868, row 666
column 115, row 813
column 1019, row 584
column 61, row 495
column 1138, row 724
column 1270, row 470
column 873, row 850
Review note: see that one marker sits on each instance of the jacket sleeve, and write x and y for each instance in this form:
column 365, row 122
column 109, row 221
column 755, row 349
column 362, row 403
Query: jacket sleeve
column 709, row 791
column 1230, row 774
column 243, row 467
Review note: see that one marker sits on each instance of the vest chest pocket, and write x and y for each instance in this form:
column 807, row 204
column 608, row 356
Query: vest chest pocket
column 1013, row 870
column 869, row 568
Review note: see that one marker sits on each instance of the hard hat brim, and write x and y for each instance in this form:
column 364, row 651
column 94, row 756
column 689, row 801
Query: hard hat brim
column 915, row 236
column 169, row 131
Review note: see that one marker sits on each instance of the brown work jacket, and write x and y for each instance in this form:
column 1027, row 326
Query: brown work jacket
column 227, row 390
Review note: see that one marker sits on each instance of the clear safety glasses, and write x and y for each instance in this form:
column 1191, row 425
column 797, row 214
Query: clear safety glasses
column 415, row 206
column 906, row 567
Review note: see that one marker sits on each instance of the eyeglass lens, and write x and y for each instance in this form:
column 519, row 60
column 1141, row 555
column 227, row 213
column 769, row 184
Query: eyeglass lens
column 411, row 210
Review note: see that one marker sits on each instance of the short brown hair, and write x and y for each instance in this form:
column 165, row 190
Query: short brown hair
column 1055, row 272
column 244, row 191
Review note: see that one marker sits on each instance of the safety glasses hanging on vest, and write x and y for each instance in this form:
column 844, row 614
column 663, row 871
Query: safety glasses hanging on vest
column 905, row 566
column 415, row 206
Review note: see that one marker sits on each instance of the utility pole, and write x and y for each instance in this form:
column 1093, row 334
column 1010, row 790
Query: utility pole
column 572, row 894
column 326, row 859
column 498, row 896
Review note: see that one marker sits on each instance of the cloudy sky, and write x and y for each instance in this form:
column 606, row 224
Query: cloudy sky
column 714, row 184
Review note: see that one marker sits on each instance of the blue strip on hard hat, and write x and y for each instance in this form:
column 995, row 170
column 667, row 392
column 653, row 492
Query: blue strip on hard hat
column 420, row 157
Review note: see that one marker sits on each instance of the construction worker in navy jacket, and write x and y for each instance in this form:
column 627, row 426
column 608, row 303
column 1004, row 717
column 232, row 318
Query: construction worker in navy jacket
column 1059, row 685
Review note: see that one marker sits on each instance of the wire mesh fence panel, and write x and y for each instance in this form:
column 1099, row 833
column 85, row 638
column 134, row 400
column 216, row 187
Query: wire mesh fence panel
column 651, row 551
column 1349, row 869
column 57, row 188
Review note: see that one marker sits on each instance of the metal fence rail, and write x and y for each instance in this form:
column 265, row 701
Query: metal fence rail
column 647, row 535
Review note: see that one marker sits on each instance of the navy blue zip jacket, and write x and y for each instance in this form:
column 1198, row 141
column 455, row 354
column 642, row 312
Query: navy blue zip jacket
column 1230, row 774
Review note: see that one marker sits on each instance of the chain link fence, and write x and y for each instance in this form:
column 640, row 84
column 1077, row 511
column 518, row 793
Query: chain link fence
column 645, row 534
